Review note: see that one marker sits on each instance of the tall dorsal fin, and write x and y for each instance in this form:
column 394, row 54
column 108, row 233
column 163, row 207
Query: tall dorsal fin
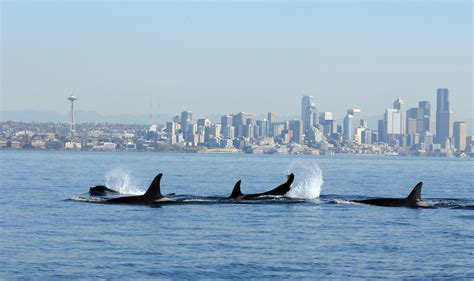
column 283, row 188
column 415, row 194
column 291, row 178
column 236, row 193
column 154, row 193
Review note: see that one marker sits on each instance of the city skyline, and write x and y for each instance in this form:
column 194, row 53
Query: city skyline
column 202, row 56
column 401, row 131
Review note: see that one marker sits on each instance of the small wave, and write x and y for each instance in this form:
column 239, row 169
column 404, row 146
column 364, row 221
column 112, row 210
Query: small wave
column 119, row 180
column 311, row 184
column 84, row 199
column 342, row 201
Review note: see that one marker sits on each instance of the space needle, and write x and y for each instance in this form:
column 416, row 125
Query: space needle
column 72, row 125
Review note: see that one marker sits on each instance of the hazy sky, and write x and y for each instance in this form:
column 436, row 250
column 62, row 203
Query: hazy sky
column 213, row 57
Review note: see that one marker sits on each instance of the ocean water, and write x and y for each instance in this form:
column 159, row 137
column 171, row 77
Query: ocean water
column 47, row 231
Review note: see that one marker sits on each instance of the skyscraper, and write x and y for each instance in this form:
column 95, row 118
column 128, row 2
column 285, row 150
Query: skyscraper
column 226, row 121
column 415, row 120
column 443, row 116
column 391, row 122
column 186, row 119
column 356, row 118
column 240, row 120
column 398, row 105
column 348, row 130
column 381, row 130
column 460, row 133
column 263, row 128
column 427, row 120
column 271, row 117
column 309, row 112
column 297, row 127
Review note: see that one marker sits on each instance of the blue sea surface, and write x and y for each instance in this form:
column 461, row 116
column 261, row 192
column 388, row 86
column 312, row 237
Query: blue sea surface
column 48, row 230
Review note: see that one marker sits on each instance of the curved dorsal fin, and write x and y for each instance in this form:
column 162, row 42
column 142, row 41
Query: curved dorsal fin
column 415, row 194
column 236, row 193
column 283, row 188
column 154, row 191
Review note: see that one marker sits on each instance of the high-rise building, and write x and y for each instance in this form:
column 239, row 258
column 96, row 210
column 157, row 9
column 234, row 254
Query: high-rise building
column 327, row 122
column 204, row 122
column 239, row 121
column 186, row 119
column 411, row 124
column 392, row 122
column 226, row 120
column 309, row 113
column 229, row 132
column 297, row 127
column 271, row 117
column 427, row 120
column 366, row 137
column 415, row 120
column 381, row 131
column 356, row 118
column 460, row 134
column 262, row 128
column 443, row 117
column 398, row 105
column 278, row 128
column 348, row 130
column 325, row 116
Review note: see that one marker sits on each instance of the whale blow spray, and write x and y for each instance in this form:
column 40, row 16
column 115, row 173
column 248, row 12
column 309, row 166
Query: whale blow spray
column 308, row 181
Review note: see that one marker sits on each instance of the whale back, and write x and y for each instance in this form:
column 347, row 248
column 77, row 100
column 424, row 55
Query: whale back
column 415, row 194
column 236, row 193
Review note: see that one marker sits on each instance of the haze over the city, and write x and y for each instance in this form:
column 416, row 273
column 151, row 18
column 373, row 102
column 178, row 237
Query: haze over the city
column 215, row 58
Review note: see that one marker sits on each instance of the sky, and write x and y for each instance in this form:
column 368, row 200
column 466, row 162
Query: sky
column 222, row 57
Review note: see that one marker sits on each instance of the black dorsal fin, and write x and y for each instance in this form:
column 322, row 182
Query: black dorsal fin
column 154, row 191
column 282, row 189
column 236, row 193
column 415, row 194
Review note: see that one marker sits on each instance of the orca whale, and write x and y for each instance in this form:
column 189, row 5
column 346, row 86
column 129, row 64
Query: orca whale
column 151, row 195
column 412, row 201
column 100, row 190
column 279, row 190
